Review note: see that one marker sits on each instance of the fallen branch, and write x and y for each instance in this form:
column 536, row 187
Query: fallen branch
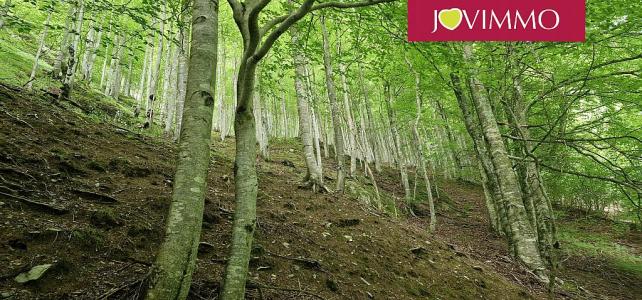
column 123, row 287
column 307, row 262
column 258, row 285
column 95, row 196
column 23, row 122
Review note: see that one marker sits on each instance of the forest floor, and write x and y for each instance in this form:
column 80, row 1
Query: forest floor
column 82, row 190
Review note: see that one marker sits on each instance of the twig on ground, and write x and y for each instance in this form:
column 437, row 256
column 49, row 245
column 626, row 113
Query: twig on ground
column 255, row 284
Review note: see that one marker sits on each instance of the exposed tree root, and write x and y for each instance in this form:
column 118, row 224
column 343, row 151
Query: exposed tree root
column 38, row 205
column 315, row 186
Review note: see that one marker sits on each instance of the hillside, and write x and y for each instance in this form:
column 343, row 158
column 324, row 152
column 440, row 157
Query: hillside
column 84, row 192
column 90, row 198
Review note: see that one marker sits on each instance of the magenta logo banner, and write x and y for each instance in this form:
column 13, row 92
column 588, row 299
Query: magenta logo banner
column 497, row 20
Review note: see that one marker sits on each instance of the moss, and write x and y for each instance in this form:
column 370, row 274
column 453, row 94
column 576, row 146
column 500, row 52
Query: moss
column 88, row 237
column 577, row 240
column 105, row 218
column 96, row 166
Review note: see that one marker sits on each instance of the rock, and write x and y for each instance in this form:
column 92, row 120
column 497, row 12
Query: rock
column 288, row 163
column 348, row 222
column 331, row 285
column 419, row 251
column 34, row 274
column 204, row 248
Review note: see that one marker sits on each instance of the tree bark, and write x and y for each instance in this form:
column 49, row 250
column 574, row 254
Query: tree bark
column 68, row 80
column 401, row 159
column 524, row 236
column 370, row 129
column 4, row 12
column 494, row 198
column 41, row 46
column 419, row 151
column 172, row 270
column 350, row 120
column 153, row 86
column 334, row 106
column 181, row 84
column 58, row 72
column 314, row 178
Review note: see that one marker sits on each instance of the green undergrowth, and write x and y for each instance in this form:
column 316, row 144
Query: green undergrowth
column 598, row 238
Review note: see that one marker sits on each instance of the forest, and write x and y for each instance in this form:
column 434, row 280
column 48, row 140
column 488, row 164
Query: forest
column 304, row 149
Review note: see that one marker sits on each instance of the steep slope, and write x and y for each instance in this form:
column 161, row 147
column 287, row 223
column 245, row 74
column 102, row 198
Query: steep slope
column 89, row 197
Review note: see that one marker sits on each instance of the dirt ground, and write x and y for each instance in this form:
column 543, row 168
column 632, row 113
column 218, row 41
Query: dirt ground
column 90, row 198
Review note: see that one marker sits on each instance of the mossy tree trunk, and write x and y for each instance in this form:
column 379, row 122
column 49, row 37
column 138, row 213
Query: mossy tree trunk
column 257, row 42
column 494, row 198
column 334, row 107
column 313, row 178
column 41, row 46
column 400, row 157
column 419, row 151
column 172, row 271
column 524, row 236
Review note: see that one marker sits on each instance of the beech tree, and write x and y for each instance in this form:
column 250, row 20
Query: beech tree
column 172, row 271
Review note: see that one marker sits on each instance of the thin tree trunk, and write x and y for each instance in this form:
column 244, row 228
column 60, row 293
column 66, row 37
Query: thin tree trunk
column 171, row 93
column 350, row 119
column 370, row 130
column 41, row 46
column 334, row 106
column 58, row 72
column 171, row 275
column 261, row 134
column 401, row 160
column 494, row 199
column 68, row 80
column 151, row 97
column 419, row 152
column 4, row 12
column 143, row 77
column 181, row 84
column 524, row 236
column 314, row 178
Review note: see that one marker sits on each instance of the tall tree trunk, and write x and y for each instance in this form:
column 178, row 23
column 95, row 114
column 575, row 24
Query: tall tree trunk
column 167, row 73
column 419, row 151
column 314, row 178
column 41, row 46
column 181, row 84
column 171, row 94
column 68, row 80
column 494, row 198
column 350, row 119
column 401, row 159
column 143, row 76
column 261, row 134
column 93, row 44
column 533, row 190
column 59, row 67
column 524, row 236
column 4, row 12
column 153, row 86
column 172, row 271
column 334, row 106
column 130, row 73
column 221, row 94
column 370, row 130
